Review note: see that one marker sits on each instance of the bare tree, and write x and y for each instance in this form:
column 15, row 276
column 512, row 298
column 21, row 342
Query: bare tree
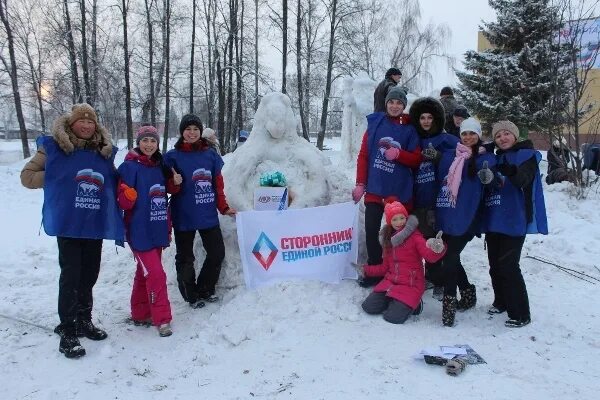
column 167, row 55
column 192, row 47
column 84, row 54
column 284, row 28
column 127, row 88
column 77, row 96
column 299, row 18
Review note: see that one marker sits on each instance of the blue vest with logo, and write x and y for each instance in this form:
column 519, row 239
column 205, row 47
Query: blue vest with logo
column 389, row 178
column 195, row 206
column 505, row 206
column 80, row 194
column 457, row 220
column 427, row 181
column 148, row 227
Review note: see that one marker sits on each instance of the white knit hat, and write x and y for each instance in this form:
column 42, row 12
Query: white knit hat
column 471, row 125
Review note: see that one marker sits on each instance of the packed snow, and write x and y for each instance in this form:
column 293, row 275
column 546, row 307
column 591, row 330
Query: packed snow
column 296, row 340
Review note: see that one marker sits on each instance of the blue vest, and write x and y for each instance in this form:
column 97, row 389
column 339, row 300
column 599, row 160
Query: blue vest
column 389, row 178
column 457, row 220
column 80, row 198
column 195, row 206
column 148, row 227
column 505, row 206
column 427, row 182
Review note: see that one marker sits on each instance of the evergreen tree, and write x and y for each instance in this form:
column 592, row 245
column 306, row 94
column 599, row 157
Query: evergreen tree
column 523, row 77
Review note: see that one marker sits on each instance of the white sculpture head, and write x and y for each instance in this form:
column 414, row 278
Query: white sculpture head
column 275, row 116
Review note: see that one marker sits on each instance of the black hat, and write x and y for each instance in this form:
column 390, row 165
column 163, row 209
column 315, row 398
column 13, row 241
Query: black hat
column 190, row 119
column 461, row 111
column 446, row 91
column 392, row 71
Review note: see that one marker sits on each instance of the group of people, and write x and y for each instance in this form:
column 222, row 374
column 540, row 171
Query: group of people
column 87, row 200
column 444, row 190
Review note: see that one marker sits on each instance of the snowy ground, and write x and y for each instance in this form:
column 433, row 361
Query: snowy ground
column 300, row 340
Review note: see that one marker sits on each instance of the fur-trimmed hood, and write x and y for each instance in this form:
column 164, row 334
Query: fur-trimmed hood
column 431, row 106
column 412, row 223
column 68, row 142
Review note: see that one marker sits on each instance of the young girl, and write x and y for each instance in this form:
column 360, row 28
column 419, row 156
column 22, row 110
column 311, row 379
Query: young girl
column 399, row 294
column 515, row 209
column 145, row 182
column 458, row 208
column 195, row 208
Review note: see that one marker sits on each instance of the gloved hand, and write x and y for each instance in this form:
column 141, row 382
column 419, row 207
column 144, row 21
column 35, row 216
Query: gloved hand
column 360, row 269
column 129, row 192
column 436, row 244
column 485, row 174
column 358, row 192
column 392, row 153
column 455, row 366
column 507, row 169
column 430, row 153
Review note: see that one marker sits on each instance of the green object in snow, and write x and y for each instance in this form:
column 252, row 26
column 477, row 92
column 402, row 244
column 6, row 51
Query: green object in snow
column 273, row 179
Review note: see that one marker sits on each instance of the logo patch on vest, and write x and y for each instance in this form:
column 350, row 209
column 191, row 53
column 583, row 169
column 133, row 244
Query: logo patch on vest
column 158, row 203
column 203, row 189
column 89, row 185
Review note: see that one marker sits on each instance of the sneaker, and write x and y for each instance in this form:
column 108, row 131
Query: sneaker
column 164, row 330
column 197, row 304
column 70, row 346
column 517, row 323
column 495, row 310
column 438, row 293
column 419, row 309
column 86, row 328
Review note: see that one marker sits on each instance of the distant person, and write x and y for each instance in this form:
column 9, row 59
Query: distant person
column 75, row 168
column 558, row 160
column 242, row 137
column 392, row 77
column 458, row 116
column 449, row 103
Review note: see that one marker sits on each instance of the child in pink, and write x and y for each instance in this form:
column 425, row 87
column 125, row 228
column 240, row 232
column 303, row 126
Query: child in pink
column 399, row 294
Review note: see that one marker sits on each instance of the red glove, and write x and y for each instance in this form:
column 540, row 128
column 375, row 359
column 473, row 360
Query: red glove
column 392, row 153
column 129, row 192
column 358, row 192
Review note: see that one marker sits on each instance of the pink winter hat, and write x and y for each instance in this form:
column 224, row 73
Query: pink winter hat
column 392, row 209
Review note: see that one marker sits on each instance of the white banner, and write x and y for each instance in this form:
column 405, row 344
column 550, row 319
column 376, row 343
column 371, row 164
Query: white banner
column 311, row 243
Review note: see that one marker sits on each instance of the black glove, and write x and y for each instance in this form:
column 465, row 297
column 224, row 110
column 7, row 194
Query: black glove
column 430, row 153
column 507, row 169
column 485, row 174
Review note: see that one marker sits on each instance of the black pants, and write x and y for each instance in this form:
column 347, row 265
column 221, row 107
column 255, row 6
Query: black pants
column 79, row 261
column 454, row 273
column 433, row 271
column 393, row 311
column 510, row 293
column 373, row 215
column 192, row 288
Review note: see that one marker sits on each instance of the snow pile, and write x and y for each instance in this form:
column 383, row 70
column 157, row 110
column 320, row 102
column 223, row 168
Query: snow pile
column 357, row 96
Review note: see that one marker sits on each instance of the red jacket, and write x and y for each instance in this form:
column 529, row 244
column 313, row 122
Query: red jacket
column 402, row 267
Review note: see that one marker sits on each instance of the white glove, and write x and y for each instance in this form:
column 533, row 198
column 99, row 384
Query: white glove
column 436, row 244
column 485, row 174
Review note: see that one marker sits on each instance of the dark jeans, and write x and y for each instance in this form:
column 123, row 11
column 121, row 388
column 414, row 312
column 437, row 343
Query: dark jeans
column 373, row 215
column 510, row 293
column 79, row 261
column 192, row 288
column 454, row 273
column 433, row 271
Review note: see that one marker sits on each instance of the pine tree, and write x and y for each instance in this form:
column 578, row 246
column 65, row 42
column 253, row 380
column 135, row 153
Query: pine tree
column 523, row 77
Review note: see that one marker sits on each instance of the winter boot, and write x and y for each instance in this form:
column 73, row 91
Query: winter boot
column 164, row 330
column 517, row 323
column 438, row 293
column 86, row 328
column 468, row 298
column 419, row 309
column 448, row 310
column 69, row 344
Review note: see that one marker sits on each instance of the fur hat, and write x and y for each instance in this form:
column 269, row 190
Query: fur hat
column 431, row 106
column 446, row 91
column 461, row 111
column 392, row 209
column 190, row 119
column 210, row 135
column 396, row 93
column 505, row 125
column 82, row 111
column 392, row 71
column 146, row 131
column 471, row 125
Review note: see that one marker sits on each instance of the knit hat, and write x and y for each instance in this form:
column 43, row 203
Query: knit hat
column 471, row 125
column 146, row 131
column 392, row 209
column 446, row 91
column 396, row 93
column 392, row 71
column 461, row 111
column 505, row 125
column 190, row 119
column 82, row 111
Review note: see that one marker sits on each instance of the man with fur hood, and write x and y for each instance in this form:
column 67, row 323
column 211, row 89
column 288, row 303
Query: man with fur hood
column 427, row 115
column 75, row 168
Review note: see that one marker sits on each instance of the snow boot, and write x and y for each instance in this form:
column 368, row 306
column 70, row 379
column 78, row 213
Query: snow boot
column 164, row 330
column 69, row 344
column 419, row 309
column 85, row 328
column 517, row 323
column 468, row 298
column 495, row 310
column 448, row 310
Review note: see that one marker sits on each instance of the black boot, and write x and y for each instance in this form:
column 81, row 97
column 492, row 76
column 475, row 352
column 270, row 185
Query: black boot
column 468, row 298
column 69, row 344
column 448, row 310
column 86, row 328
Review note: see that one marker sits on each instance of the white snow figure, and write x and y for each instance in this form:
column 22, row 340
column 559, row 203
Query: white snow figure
column 357, row 97
column 274, row 145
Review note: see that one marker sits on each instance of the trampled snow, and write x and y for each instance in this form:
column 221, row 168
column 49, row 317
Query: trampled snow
column 297, row 340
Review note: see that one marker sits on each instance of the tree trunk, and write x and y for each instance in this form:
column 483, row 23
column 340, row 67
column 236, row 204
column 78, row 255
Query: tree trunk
column 229, row 64
column 167, row 56
column 14, row 79
column 284, row 48
column 239, row 56
column 94, row 83
column 255, row 55
column 221, row 106
column 192, row 57
column 84, row 55
column 152, row 100
column 77, row 97
column 299, row 70
column 324, row 110
column 127, row 87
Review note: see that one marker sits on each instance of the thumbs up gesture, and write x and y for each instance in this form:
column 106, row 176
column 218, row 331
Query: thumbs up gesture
column 430, row 153
column 436, row 244
column 177, row 179
column 485, row 174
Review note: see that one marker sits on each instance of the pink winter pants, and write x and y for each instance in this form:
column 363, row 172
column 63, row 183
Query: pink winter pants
column 149, row 297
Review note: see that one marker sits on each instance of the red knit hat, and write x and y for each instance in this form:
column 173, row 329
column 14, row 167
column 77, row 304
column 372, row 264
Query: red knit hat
column 392, row 209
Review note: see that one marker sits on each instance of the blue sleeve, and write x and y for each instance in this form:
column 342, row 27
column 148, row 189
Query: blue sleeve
column 127, row 174
column 413, row 138
column 218, row 162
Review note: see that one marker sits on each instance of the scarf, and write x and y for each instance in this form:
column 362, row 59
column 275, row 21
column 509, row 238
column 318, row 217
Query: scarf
column 463, row 153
